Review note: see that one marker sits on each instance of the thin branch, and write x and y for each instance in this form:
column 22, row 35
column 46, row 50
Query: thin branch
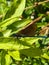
column 36, row 4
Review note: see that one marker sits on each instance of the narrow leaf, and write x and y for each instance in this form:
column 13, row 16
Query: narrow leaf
column 3, row 53
column 20, row 9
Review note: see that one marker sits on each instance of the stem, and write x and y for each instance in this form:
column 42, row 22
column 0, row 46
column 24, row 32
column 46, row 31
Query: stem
column 36, row 4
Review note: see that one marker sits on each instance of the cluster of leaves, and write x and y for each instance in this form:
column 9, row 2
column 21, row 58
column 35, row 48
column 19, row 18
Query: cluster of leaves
column 15, row 15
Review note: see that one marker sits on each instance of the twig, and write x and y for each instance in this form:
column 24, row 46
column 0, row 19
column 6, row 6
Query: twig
column 36, row 4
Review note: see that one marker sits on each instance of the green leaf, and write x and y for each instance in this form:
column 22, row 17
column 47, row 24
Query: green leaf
column 16, row 44
column 16, row 9
column 11, row 9
column 20, row 9
column 7, row 33
column 12, row 43
column 47, row 4
column 45, row 55
column 19, row 25
column 15, row 27
column 7, row 59
column 30, row 40
column 13, row 18
column 3, row 53
column 31, row 52
column 15, row 55
column 47, row 41
column 8, row 21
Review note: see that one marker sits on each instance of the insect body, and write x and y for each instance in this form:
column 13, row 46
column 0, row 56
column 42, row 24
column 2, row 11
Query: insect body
column 30, row 29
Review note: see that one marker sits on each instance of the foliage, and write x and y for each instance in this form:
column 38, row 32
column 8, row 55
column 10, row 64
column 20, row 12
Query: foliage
column 18, row 19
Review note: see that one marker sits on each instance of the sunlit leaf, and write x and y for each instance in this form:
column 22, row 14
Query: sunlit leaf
column 30, row 40
column 46, row 56
column 7, row 59
column 7, row 33
column 15, row 55
column 12, row 43
column 13, row 18
column 20, row 9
